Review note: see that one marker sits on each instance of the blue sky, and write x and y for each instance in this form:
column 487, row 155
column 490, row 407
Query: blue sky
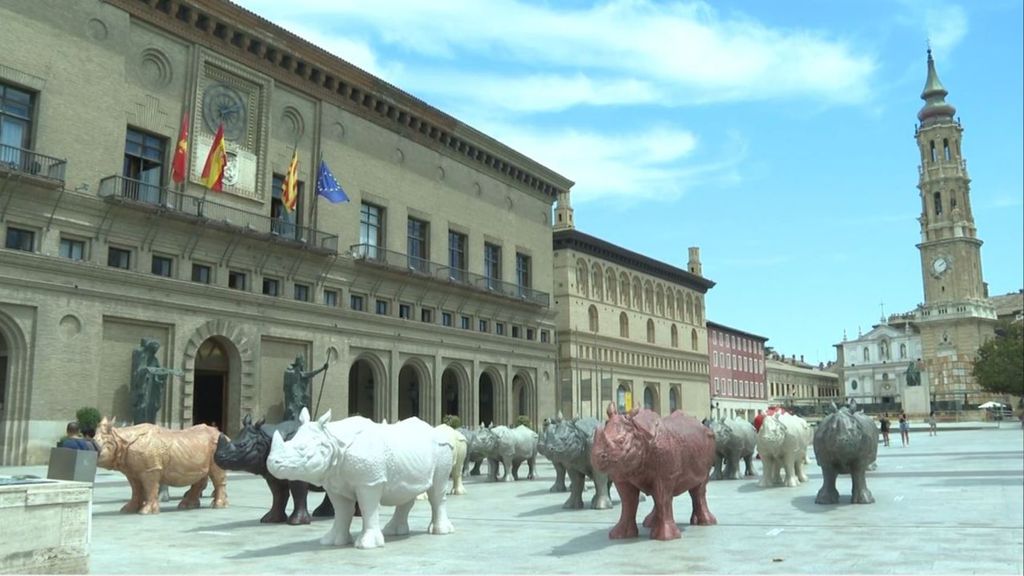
column 777, row 136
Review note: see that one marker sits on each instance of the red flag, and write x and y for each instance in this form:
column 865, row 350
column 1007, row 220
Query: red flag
column 180, row 152
column 213, row 170
column 290, row 186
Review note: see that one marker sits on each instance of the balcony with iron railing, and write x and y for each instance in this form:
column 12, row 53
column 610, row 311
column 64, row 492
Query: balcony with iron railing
column 417, row 266
column 40, row 166
column 212, row 213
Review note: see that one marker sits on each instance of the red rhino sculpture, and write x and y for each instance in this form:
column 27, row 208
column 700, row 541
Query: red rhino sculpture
column 662, row 457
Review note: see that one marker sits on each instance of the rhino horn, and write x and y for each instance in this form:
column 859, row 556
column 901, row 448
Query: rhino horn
column 277, row 442
column 611, row 411
column 558, row 417
column 304, row 415
column 323, row 419
column 261, row 422
column 247, row 421
column 222, row 442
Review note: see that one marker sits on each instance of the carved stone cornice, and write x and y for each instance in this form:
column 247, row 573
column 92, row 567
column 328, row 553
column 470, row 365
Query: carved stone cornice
column 245, row 37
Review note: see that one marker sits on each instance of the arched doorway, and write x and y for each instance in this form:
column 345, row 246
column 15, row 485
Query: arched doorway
column 650, row 398
column 409, row 392
column 522, row 398
column 362, row 397
column 486, row 395
column 210, row 385
column 451, row 396
column 673, row 399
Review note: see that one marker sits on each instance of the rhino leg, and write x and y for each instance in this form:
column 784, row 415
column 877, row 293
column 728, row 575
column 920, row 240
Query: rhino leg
column 701, row 515
column 399, row 523
column 861, row 494
column 790, row 463
column 191, row 498
column 516, row 462
column 732, row 467
column 601, row 500
column 138, row 496
column 220, row 484
column 150, row 493
column 626, row 526
column 510, row 473
column 492, row 469
column 575, row 500
column 801, row 463
column 828, row 493
column 768, row 471
column 165, row 494
column 717, row 473
column 748, row 460
column 300, row 514
column 326, row 509
column 559, row 485
column 439, row 521
column 663, row 522
column 651, row 518
column 369, row 503
column 339, row 534
column 476, row 468
column 279, row 493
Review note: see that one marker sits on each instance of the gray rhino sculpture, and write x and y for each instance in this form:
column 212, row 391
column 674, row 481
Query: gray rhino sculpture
column 569, row 443
column 511, row 447
column 543, row 442
column 845, row 442
column 734, row 440
column 474, row 455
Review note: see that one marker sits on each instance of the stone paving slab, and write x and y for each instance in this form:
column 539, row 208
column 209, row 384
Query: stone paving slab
column 953, row 503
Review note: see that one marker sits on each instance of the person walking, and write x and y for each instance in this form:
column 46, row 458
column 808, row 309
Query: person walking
column 884, row 425
column 904, row 429
column 932, row 428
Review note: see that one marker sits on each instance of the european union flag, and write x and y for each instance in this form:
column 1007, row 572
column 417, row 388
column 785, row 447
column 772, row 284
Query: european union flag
column 327, row 186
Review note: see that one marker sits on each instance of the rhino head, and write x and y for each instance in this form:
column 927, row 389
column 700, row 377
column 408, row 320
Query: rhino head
column 620, row 445
column 308, row 456
column 109, row 444
column 248, row 452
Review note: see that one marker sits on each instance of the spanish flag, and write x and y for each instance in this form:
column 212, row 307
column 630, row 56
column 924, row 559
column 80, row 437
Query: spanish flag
column 290, row 186
column 213, row 170
column 180, row 152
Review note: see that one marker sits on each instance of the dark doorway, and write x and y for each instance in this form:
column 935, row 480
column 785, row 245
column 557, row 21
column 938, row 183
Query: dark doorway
column 361, row 396
column 486, row 399
column 208, row 393
column 408, row 393
column 450, row 396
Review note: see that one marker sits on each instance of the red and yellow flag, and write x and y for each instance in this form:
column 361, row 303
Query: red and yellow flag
column 180, row 152
column 213, row 170
column 290, row 186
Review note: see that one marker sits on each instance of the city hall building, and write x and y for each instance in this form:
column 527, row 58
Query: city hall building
column 427, row 293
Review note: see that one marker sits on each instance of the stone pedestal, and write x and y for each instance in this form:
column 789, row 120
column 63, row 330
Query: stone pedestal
column 71, row 464
column 46, row 526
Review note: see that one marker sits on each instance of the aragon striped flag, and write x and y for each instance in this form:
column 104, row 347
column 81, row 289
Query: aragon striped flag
column 180, row 152
column 290, row 186
column 213, row 170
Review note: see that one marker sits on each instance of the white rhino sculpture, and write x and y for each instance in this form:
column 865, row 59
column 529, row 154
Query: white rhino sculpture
column 782, row 443
column 356, row 459
column 511, row 447
column 459, row 448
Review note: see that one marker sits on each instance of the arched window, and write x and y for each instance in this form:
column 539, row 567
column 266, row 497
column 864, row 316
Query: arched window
column 582, row 283
column 592, row 316
column 650, row 331
column 648, row 398
column 937, row 201
column 945, row 149
column 883, row 349
column 932, row 146
column 659, row 297
column 903, row 351
column 623, row 325
column 638, row 296
column 689, row 309
column 693, row 339
column 867, row 354
column 649, row 297
column 598, row 281
column 698, row 307
column 853, row 385
column 675, row 337
column 609, row 286
column 670, row 304
column 673, row 399
column 624, row 289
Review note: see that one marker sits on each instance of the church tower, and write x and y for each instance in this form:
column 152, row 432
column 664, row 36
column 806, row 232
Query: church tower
column 956, row 317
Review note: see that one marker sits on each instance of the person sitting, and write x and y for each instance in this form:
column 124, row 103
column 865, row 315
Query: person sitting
column 73, row 439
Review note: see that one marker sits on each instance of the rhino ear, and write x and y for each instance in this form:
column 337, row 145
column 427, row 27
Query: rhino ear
column 611, row 411
column 323, row 419
column 261, row 422
column 647, row 426
column 558, row 417
column 247, row 421
column 303, row 416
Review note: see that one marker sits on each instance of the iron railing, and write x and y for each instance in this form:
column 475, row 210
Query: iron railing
column 127, row 189
column 34, row 163
column 423, row 267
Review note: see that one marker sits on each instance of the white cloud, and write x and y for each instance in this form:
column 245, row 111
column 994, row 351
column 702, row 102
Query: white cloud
column 946, row 25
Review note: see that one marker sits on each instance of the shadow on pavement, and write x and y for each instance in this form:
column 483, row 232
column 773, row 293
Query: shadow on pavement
column 598, row 540
column 806, row 503
column 281, row 549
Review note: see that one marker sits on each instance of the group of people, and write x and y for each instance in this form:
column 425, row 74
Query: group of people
column 904, row 424
column 78, row 439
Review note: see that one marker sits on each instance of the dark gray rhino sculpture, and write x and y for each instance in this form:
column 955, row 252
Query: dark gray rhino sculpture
column 569, row 443
column 545, row 439
column 735, row 439
column 845, row 442
column 248, row 453
column 474, row 455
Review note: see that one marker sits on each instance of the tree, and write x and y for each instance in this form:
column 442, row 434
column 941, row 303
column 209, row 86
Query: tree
column 999, row 367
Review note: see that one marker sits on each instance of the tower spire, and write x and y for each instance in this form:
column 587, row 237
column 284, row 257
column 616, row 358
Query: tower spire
column 934, row 96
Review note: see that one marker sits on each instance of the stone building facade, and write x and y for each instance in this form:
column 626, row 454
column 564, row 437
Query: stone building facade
column 792, row 382
column 631, row 329
column 737, row 372
column 428, row 293
column 875, row 365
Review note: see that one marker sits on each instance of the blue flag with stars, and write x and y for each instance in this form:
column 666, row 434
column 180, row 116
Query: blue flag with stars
column 327, row 186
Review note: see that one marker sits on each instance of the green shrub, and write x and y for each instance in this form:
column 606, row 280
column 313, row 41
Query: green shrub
column 523, row 420
column 452, row 420
column 88, row 418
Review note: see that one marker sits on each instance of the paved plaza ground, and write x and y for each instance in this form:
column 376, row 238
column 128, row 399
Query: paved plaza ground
column 949, row 504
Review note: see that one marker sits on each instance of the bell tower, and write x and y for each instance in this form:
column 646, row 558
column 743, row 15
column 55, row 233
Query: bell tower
column 956, row 317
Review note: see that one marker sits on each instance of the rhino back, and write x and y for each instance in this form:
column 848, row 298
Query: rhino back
column 685, row 440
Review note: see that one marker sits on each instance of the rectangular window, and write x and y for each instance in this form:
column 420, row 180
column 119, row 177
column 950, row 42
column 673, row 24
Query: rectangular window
column 284, row 222
column 457, row 255
column 72, row 249
column 271, row 287
column 516, row 332
column 237, row 280
column 464, row 322
column 15, row 126
column 371, row 230
column 302, row 292
column 331, row 298
column 482, row 326
column 201, row 273
column 523, row 273
column 20, row 239
column 492, row 264
column 119, row 258
column 499, row 328
column 530, row 334
column 405, row 311
column 161, row 266
column 544, row 336
column 426, row 315
column 419, row 232
column 382, row 307
column 143, row 167
column 446, row 319
column 356, row 302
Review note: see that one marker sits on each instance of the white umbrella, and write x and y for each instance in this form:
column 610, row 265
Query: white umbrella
column 992, row 404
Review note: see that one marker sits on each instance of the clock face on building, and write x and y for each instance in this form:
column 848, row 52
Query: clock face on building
column 939, row 266
column 223, row 104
